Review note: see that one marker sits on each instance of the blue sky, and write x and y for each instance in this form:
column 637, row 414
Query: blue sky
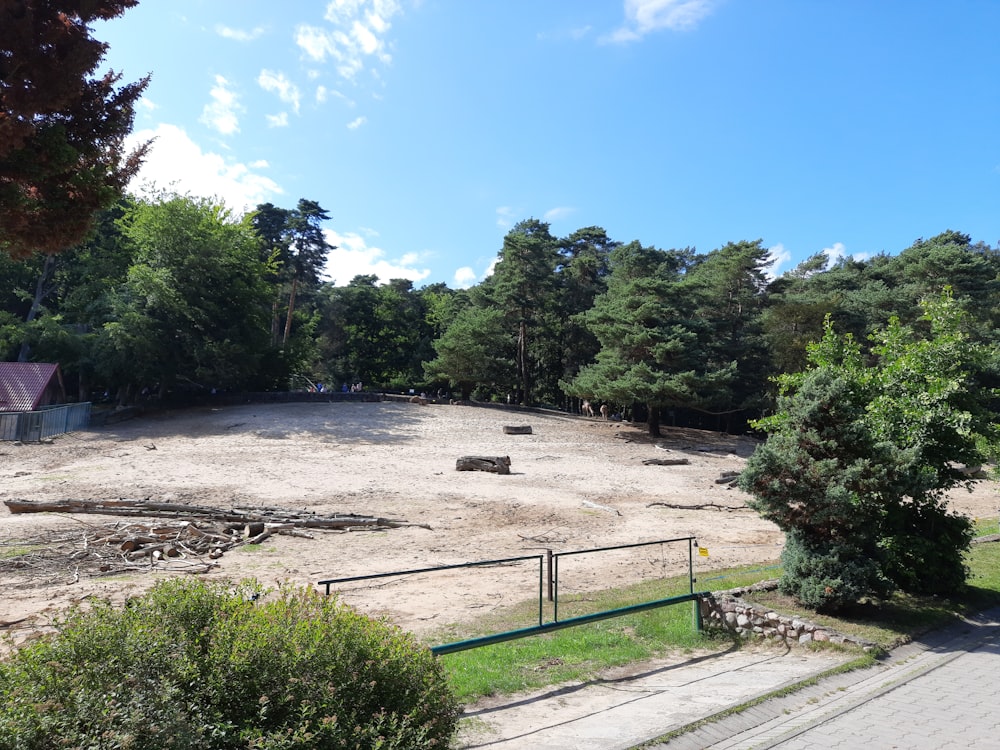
column 427, row 128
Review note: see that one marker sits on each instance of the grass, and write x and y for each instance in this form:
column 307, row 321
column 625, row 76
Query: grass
column 580, row 653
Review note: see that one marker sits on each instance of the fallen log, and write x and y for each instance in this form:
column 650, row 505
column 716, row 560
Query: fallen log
column 242, row 516
column 495, row 464
column 517, row 429
column 665, row 462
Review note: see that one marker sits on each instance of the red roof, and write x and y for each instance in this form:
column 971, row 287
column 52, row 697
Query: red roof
column 23, row 384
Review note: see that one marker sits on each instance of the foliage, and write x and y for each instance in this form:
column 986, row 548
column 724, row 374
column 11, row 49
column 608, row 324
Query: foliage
column 472, row 351
column 62, row 131
column 859, row 458
column 192, row 665
column 192, row 307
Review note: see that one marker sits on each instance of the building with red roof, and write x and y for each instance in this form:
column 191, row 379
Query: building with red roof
column 27, row 386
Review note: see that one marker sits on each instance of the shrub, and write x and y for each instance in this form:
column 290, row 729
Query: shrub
column 192, row 665
column 828, row 576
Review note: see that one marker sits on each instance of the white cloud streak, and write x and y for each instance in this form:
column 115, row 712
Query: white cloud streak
column 222, row 112
column 239, row 35
column 357, row 123
column 647, row 16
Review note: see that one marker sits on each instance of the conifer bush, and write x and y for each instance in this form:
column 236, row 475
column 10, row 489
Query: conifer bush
column 192, row 665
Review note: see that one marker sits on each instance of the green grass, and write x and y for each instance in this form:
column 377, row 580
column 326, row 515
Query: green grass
column 582, row 652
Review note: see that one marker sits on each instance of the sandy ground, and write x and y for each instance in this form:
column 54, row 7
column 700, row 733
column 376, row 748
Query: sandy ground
column 575, row 484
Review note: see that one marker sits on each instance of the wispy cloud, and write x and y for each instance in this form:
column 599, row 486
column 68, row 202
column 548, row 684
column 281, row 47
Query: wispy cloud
column 354, row 257
column 277, row 83
column 176, row 162
column 222, row 112
column 646, row 16
column 356, row 31
column 505, row 217
column 279, row 120
column 239, row 35
column 357, row 123
column 557, row 213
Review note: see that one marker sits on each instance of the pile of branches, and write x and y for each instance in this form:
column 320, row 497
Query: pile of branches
column 193, row 540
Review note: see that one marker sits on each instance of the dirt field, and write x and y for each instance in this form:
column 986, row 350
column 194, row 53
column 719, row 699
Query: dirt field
column 575, row 484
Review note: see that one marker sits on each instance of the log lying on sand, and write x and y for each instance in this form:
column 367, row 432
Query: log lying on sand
column 665, row 462
column 517, row 429
column 249, row 516
column 495, row 464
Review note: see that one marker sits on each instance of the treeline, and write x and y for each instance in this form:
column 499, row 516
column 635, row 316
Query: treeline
column 174, row 297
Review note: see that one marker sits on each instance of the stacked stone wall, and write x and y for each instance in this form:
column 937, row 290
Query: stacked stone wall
column 732, row 612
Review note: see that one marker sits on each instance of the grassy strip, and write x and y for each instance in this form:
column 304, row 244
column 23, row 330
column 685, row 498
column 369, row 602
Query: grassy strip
column 582, row 652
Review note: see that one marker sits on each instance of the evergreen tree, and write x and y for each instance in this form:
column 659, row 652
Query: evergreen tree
column 62, row 131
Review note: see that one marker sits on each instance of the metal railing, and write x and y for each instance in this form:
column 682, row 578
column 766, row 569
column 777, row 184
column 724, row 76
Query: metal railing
column 33, row 426
column 548, row 572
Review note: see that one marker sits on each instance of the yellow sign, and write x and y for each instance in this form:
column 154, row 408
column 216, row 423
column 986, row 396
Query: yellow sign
column 703, row 551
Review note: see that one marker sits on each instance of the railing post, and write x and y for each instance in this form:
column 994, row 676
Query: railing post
column 548, row 568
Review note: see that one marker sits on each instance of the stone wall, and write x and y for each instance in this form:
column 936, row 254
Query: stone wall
column 732, row 612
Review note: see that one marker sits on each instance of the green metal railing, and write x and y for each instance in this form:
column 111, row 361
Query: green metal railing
column 553, row 593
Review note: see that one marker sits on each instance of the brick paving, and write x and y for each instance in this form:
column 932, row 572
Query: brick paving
column 935, row 694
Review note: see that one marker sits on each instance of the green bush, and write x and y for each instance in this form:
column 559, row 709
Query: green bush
column 830, row 575
column 191, row 665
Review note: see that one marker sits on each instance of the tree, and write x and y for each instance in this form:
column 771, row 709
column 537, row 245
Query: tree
column 62, row 132
column 295, row 240
column 648, row 353
column 859, row 458
column 473, row 351
column 523, row 287
column 193, row 307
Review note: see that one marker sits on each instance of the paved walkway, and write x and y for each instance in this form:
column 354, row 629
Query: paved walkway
column 934, row 694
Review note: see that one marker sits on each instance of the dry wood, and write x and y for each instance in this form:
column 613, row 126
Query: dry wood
column 699, row 506
column 517, row 429
column 495, row 464
column 665, row 462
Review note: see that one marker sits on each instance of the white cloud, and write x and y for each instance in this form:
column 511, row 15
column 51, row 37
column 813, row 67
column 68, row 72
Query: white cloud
column 222, row 113
column 175, row 162
column 279, row 120
column 357, row 123
column 777, row 257
column 358, row 29
column 278, row 84
column 646, row 16
column 354, row 257
column 838, row 252
column 464, row 277
column 146, row 105
column 557, row 213
column 834, row 253
column 239, row 35
column 505, row 217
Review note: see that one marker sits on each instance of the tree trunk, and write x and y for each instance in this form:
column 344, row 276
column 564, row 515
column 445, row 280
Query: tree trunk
column 653, row 420
column 291, row 309
column 522, row 362
column 41, row 292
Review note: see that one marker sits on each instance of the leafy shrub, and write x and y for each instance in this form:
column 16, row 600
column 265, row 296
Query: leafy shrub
column 191, row 665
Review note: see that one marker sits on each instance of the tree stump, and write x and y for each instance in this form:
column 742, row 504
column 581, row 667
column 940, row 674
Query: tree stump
column 517, row 429
column 495, row 464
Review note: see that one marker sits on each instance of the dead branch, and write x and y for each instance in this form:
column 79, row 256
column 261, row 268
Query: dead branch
column 700, row 506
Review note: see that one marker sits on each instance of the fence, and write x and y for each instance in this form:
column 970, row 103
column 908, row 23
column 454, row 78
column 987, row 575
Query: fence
column 549, row 581
column 33, row 426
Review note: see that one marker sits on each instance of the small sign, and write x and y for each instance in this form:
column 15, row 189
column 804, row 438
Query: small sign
column 703, row 551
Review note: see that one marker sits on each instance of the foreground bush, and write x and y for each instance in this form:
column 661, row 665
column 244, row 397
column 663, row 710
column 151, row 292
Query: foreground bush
column 191, row 665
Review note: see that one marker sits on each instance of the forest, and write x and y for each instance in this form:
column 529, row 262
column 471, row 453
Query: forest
column 173, row 297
